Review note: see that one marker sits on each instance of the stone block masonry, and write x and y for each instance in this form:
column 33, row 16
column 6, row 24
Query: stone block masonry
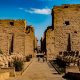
column 50, row 43
column 16, row 37
column 30, row 41
column 66, row 21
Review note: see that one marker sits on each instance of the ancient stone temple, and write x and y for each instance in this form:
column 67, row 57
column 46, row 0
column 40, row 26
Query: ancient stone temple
column 66, row 22
column 48, row 42
column 65, row 25
column 29, row 41
column 36, row 44
column 16, row 37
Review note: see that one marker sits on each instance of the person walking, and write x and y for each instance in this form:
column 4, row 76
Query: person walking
column 38, row 58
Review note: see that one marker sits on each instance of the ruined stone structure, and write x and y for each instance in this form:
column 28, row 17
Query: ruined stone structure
column 16, row 37
column 50, row 43
column 65, row 24
column 66, row 21
column 30, row 41
column 47, row 43
column 36, row 44
column 43, row 43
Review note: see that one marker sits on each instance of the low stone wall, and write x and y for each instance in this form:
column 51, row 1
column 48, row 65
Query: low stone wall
column 73, row 69
column 4, row 75
column 10, row 70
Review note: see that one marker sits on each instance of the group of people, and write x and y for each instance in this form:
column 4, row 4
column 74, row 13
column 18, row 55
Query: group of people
column 42, row 56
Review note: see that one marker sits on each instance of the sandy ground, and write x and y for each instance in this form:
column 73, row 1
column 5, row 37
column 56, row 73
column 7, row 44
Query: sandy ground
column 39, row 71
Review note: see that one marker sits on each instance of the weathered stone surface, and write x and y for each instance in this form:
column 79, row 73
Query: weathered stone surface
column 16, row 37
column 66, row 21
column 50, row 43
column 47, row 43
column 29, row 41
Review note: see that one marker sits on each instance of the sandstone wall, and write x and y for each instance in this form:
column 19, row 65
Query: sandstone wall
column 4, row 43
column 19, row 44
column 12, row 29
column 16, row 37
column 11, row 71
column 50, row 44
column 13, row 23
column 29, row 41
column 66, row 21
column 36, row 43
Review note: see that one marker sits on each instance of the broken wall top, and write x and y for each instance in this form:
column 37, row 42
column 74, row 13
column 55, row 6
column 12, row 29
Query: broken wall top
column 67, row 6
column 73, row 7
column 13, row 23
column 48, row 30
column 29, row 30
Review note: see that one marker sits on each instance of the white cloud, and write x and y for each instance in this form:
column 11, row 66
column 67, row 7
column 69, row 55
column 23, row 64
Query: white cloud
column 44, row 11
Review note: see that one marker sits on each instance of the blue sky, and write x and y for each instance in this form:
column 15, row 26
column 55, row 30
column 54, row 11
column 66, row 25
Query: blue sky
column 36, row 12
